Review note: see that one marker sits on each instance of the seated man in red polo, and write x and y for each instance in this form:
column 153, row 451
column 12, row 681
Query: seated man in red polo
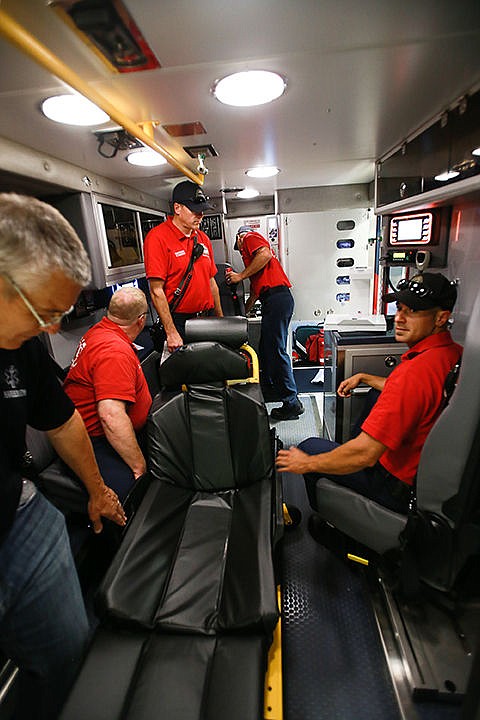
column 108, row 388
column 382, row 461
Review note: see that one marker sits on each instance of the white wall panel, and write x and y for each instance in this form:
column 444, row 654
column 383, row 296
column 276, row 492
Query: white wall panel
column 311, row 254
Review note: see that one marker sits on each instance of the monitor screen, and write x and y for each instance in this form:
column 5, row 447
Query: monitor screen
column 413, row 229
column 410, row 230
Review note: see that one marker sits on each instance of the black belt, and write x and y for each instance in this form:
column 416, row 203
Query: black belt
column 188, row 316
column 397, row 488
column 273, row 291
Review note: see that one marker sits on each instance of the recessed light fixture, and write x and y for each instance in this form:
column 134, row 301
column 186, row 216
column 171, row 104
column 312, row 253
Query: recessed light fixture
column 73, row 110
column 247, row 193
column 262, row 171
column 248, row 88
column 447, row 175
column 146, row 157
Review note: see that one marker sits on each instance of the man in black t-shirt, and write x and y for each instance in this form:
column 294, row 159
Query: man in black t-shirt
column 43, row 625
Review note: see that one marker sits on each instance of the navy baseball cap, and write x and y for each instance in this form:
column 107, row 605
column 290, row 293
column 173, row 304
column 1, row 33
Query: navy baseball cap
column 424, row 292
column 241, row 231
column 192, row 196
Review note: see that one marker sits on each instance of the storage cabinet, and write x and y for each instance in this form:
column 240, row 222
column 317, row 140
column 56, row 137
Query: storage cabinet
column 351, row 352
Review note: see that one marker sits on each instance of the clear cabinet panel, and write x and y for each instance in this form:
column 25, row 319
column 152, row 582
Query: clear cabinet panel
column 149, row 221
column 124, row 246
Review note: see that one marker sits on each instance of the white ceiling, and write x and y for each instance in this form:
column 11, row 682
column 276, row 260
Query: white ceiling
column 361, row 74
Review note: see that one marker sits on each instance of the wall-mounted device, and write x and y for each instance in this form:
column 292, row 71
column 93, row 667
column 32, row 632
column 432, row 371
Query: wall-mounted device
column 417, row 237
column 422, row 259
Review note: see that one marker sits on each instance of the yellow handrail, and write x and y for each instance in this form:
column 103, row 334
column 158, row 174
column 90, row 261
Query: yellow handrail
column 27, row 43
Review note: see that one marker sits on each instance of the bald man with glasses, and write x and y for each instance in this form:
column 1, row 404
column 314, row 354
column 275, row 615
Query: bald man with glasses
column 43, row 623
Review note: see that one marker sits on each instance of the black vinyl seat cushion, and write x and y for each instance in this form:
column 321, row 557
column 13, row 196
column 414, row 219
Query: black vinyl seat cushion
column 145, row 676
column 197, row 556
column 195, row 562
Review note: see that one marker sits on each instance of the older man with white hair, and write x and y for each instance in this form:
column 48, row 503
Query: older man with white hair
column 43, row 624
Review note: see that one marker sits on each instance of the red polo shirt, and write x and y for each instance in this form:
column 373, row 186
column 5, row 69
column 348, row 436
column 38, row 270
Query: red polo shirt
column 272, row 275
column 410, row 402
column 167, row 253
column 106, row 367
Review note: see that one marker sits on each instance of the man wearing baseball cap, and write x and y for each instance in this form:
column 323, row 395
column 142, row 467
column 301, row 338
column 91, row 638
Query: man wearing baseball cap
column 269, row 283
column 168, row 251
column 381, row 462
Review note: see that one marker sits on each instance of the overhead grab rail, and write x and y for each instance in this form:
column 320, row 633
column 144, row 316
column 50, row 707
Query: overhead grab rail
column 27, row 43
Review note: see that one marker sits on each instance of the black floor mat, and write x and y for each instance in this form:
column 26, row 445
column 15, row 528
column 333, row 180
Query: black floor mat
column 333, row 662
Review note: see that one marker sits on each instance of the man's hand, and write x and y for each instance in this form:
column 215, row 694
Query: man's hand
column 105, row 503
column 232, row 277
column 346, row 386
column 349, row 384
column 294, row 461
column 174, row 340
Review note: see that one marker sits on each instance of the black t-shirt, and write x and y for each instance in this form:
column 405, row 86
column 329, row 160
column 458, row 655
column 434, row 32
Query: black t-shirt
column 30, row 394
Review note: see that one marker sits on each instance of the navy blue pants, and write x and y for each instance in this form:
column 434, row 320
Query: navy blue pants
column 114, row 471
column 277, row 309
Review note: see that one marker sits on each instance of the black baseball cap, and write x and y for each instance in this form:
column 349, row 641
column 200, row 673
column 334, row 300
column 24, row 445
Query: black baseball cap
column 424, row 292
column 192, row 196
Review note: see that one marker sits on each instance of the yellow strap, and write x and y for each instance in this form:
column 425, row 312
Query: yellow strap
column 356, row 558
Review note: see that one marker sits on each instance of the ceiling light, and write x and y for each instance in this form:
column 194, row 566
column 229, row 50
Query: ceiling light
column 476, row 151
column 146, row 157
column 263, row 171
column 252, row 87
column 447, row 175
column 248, row 193
column 73, row 110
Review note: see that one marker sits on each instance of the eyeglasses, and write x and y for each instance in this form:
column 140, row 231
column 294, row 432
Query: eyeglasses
column 54, row 319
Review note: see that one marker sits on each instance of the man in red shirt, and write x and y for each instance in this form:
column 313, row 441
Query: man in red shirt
column 167, row 252
column 382, row 461
column 269, row 283
column 107, row 385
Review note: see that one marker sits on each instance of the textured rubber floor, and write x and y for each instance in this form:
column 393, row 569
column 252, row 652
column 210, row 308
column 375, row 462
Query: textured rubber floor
column 333, row 663
column 334, row 666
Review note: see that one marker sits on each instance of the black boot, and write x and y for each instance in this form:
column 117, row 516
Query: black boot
column 288, row 411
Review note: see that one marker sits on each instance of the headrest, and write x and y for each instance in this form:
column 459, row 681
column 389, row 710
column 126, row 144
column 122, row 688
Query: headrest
column 202, row 362
column 231, row 331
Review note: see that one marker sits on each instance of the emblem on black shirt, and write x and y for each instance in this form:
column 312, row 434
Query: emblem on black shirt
column 11, row 377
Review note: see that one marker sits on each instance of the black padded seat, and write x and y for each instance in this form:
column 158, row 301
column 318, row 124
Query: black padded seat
column 146, row 676
column 188, row 605
column 195, row 562
column 197, row 557
column 54, row 479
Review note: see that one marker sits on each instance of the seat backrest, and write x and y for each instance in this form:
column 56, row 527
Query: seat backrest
column 447, row 452
column 448, row 491
column 211, row 436
column 150, row 366
column 232, row 298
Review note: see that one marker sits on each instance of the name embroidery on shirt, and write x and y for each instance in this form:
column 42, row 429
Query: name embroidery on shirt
column 179, row 253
